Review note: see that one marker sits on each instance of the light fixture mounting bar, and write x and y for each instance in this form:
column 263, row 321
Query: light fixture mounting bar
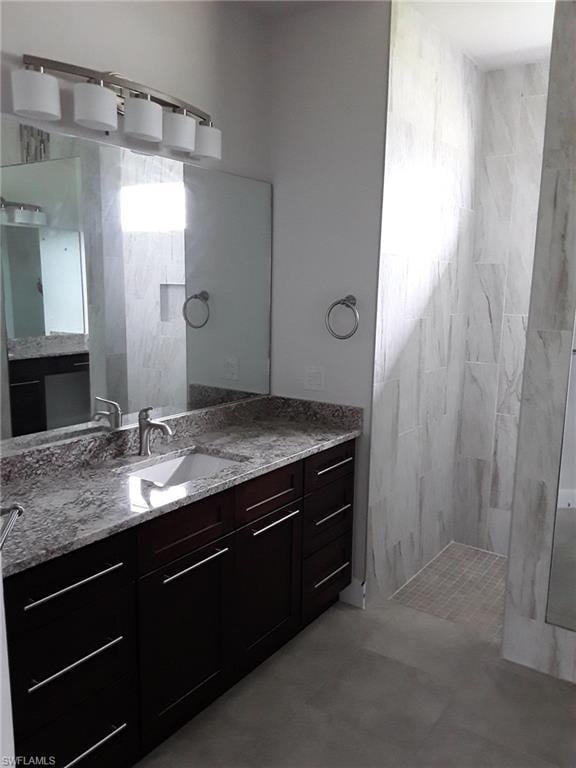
column 115, row 80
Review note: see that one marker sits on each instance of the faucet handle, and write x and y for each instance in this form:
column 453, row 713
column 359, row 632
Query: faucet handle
column 144, row 413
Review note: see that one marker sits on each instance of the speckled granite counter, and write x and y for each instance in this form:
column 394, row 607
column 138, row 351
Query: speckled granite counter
column 72, row 503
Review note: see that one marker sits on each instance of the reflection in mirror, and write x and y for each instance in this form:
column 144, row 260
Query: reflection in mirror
column 101, row 250
column 562, row 590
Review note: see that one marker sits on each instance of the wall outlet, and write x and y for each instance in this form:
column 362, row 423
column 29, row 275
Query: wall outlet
column 314, row 377
column 231, row 369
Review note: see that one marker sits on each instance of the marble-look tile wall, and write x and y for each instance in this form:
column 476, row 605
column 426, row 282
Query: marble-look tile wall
column 528, row 639
column 426, row 254
column 506, row 202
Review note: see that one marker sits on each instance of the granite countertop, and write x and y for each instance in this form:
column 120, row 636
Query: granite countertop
column 86, row 504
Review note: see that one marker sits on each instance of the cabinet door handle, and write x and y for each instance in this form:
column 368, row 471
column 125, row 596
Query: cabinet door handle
column 331, row 575
column 72, row 586
column 76, row 664
column 274, row 524
column 25, row 383
column 335, row 466
column 168, row 579
column 270, row 498
column 94, row 747
column 329, row 517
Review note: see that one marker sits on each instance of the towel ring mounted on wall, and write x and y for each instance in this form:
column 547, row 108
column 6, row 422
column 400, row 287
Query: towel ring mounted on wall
column 203, row 296
column 349, row 302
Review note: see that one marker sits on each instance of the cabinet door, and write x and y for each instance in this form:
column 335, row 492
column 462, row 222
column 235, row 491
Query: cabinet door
column 268, row 579
column 185, row 637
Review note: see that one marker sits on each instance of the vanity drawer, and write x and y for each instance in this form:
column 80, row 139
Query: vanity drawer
column 180, row 532
column 64, row 661
column 55, row 588
column 326, row 573
column 101, row 731
column 264, row 494
column 329, row 465
column 328, row 513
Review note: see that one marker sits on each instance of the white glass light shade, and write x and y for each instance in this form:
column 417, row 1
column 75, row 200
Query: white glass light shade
column 208, row 142
column 179, row 131
column 35, row 95
column 143, row 119
column 21, row 216
column 95, row 107
column 39, row 218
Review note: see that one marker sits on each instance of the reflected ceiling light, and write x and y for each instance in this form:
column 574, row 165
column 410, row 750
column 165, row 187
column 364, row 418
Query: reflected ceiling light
column 35, row 94
column 95, row 106
column 208, row 141
column 143, row 119
column 179, row 131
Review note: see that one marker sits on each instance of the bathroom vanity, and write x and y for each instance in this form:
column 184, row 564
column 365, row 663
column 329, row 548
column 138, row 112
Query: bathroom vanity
column 117, row 643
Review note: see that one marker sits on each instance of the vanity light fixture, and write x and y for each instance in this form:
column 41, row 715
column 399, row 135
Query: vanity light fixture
column 35, row 94
column 95, row 106
column 208, row 141
column 24, row 214
column 148, row 114
column 179, row 130
column 143, row 118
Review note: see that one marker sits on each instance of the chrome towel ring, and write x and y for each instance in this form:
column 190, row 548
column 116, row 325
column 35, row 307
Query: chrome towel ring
column 202, row 296
column 349, row 302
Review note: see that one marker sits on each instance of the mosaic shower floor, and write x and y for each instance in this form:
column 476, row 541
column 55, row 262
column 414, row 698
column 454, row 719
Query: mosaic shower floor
column 462, row 584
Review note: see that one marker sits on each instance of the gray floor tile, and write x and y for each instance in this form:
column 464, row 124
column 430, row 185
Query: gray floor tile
column 528, row 712
column 448, row 746
column 442, row 648
column 381, row 695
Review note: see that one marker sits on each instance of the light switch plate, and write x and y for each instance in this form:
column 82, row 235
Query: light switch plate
column 314, row 377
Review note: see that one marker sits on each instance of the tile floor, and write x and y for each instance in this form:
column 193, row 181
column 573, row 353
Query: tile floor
column 462, row 584
column 390, row 687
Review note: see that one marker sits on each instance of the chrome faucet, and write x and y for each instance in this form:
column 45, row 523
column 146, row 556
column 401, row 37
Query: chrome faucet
column 146, row 426
column 114, row 417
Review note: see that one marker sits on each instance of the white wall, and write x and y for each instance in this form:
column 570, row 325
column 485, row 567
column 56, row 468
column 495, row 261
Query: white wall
column 208, row 53
column 328, row 84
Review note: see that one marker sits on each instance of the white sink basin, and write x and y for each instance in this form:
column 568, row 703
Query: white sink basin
column 183, row 469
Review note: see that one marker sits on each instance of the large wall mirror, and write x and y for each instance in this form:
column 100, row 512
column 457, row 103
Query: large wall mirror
column 128, row 277
column 562, row 591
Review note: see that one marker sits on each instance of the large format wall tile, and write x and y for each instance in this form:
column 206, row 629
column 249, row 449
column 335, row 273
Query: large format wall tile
column 511, row 364
column 502, row 484
column 495, row 530
column 485, row 315
column 478, row 411
column 554, row 279
column 471, row 494
column 548, row 356
column 427, row 241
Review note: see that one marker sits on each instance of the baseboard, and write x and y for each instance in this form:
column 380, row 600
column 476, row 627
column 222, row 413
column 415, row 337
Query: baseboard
column 355, row 594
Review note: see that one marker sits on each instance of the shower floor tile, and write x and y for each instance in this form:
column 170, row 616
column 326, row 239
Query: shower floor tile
column 462, row 584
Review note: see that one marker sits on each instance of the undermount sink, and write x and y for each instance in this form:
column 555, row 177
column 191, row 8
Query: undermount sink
column 183, row 469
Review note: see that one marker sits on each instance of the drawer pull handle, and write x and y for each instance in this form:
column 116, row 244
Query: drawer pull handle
column 72, row 586
column 277, row 522
column 335, row 466
column 25, row 383
column 331, row 575
column 93, row 748
column 270, row 498
column 168, row 579
column 329, row 517
column 76, row 664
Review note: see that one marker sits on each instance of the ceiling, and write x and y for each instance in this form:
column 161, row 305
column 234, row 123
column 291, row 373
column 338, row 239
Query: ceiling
column 494, row 34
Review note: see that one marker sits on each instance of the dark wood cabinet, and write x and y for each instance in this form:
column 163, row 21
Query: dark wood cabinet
column 115, row 646
column 30, row 391
column 186, row 637
column 268, row 584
